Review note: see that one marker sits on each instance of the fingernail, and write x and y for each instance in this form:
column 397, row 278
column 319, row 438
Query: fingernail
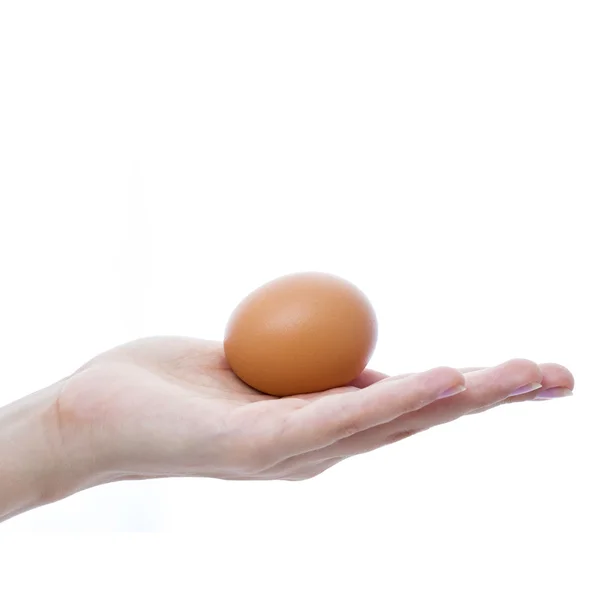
column 524, row 389
column 457, row 389
column 555, row 392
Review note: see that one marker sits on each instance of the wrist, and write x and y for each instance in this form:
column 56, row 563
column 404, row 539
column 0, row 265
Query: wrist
column 37, row 464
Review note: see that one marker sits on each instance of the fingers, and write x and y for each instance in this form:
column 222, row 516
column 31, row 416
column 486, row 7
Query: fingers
column 484, row 387
column 331, row 418
column 555, row 376
column 557, row 381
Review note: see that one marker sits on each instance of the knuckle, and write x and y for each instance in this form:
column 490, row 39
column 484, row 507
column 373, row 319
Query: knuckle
column 440, row 372
column 528, row 366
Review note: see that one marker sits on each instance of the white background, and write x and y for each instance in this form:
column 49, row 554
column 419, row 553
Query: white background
column 158, row 160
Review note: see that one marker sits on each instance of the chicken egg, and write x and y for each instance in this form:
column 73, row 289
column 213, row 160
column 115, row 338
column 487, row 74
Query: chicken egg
column 301, row 333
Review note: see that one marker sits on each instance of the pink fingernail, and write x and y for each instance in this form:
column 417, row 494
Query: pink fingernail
column 457, row 389
column 524, row 389
column 555, row 392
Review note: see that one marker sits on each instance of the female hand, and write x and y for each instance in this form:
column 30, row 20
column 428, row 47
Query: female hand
column 170, row 406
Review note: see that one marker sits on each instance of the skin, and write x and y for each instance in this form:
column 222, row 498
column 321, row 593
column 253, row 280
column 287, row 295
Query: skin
column 171, row 407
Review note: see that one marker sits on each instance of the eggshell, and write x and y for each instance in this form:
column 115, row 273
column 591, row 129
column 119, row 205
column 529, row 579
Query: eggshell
column 301, row 333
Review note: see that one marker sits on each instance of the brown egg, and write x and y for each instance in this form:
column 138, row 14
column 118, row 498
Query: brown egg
column 301, row 333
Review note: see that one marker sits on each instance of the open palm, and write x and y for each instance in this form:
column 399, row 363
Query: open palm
column 170, row 406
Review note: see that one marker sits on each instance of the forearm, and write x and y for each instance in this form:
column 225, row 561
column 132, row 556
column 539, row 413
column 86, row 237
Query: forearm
column 35, row 466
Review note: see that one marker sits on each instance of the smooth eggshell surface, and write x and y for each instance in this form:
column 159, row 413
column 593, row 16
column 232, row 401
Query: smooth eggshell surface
column 301, row 333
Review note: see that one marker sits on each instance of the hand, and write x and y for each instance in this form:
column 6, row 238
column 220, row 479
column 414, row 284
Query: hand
column 167, row 407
